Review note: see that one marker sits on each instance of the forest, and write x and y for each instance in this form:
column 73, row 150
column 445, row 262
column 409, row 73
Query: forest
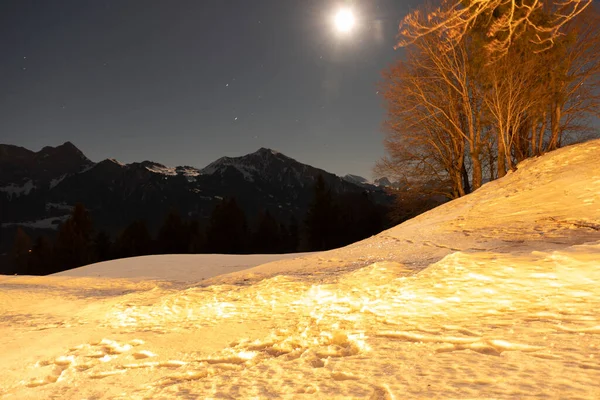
column 332, row 221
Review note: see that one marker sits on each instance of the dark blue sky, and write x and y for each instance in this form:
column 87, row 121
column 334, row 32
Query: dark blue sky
column 166, row 80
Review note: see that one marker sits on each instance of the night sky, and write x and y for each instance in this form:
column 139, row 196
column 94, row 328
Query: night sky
column 185, row 82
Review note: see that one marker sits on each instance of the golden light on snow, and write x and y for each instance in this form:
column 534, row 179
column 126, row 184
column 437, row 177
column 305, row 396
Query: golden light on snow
column 475, row 319
column 344, row 20
column 246, row 355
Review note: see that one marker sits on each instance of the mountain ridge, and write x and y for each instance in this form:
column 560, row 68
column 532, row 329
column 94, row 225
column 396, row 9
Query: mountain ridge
column 117, row 193
column 238, row 162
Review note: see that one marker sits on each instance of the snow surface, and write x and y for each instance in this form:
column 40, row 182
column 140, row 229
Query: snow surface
column 54, row 182
column 356, row 179
column 249, row 165
column 46, row 223
column 16, row 190
column 492, row 296
column 92, row 165
column 247, row 170
column 115, row 161
column 162, row 170
column 189, row 172
column 176, row 267
column 59, row 206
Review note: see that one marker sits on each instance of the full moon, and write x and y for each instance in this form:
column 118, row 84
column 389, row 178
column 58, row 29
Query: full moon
column 344, row 20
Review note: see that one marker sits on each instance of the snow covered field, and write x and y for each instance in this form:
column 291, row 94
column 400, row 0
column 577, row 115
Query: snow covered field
column 176, row 267
column 493, row 296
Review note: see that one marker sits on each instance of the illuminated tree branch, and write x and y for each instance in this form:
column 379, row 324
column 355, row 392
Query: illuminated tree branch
column 506, row 20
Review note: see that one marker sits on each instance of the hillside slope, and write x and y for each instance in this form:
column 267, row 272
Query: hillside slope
column 548, row 203
column 495, row 295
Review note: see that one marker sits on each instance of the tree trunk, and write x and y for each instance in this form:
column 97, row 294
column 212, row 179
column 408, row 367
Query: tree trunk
column 533, row 140
column 501, row 155
column 477, row 174
column 555, row 126
column 490, row 154
column 540, row 142
column 465, row 177
column 460, row 190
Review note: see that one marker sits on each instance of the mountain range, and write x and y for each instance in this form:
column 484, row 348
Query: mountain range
column 38, row 189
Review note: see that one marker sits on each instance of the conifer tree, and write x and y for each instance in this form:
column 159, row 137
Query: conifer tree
column 42, row 257
column 103, row 247
column 322, row 220
column 173, row 237
column 74, row 246
column 197, row 244
column 267, row 237
column 294, row 236
column 227, row 229
column 134, row 241
column 21, row 251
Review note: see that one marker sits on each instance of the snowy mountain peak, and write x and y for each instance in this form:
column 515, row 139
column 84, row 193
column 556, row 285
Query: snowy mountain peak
column 161, row 169
column 266, row 163
column 359, row 180
column 264, row 156
column 187, row 171
column 115, row 161
column 385, row 182
column 266, row 151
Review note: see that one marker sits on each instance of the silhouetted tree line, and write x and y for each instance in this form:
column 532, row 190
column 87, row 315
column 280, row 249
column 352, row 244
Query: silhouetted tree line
column 331, row 221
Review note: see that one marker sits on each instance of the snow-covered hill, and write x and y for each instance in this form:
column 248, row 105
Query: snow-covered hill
column 176, row 267
column 495, row 295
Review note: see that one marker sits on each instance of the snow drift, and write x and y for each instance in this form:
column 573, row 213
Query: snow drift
column 175, row 267
column 495, row 295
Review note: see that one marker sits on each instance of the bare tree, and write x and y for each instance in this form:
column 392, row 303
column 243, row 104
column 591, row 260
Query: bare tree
column 512, row 94
column 436, row 94
column 456, row 74
column 422, row 144
column 572, row 85
column 453, row 116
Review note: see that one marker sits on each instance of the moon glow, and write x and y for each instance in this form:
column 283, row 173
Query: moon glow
column 344, row 20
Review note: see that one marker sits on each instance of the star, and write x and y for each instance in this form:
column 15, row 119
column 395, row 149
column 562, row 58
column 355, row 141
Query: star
column 227, row 85
column 235, row 119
